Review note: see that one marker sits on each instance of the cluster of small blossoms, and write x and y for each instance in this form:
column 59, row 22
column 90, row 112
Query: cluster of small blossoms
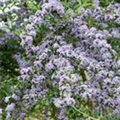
column 97, row 58
column 107, row 18
column 11, row 23
column 87, row 69
column 11, row 19
column 103, row 72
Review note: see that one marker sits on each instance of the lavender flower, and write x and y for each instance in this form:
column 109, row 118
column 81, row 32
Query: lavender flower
column 72, row 57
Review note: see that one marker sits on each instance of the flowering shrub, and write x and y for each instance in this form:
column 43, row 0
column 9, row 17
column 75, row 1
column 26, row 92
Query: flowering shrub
column 63, row 59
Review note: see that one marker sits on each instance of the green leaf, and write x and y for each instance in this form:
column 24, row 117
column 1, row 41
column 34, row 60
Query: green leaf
column 80, row 2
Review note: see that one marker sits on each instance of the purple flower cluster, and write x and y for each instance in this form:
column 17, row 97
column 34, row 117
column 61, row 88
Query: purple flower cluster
column 85, row 67
column 11, row 19
column 97, row 58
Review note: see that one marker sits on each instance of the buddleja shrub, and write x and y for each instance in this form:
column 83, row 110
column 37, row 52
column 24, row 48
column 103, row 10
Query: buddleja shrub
column 65, row 61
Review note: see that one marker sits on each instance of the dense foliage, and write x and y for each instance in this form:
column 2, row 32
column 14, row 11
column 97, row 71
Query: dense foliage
column 59, row 59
